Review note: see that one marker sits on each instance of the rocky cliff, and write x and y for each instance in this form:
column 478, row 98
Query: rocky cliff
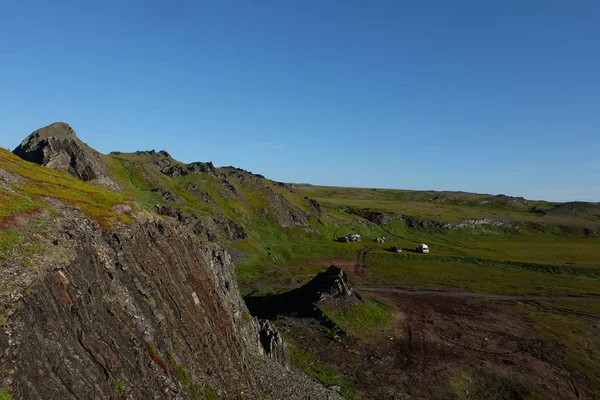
column 144, row 309
column 144, row 312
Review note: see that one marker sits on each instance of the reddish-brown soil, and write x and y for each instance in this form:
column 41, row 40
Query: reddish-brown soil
column 432, row 339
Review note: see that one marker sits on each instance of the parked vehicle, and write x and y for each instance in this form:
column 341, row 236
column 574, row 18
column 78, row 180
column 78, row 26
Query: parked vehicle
column 397, row 249
column 423, row 248
column 351, row 237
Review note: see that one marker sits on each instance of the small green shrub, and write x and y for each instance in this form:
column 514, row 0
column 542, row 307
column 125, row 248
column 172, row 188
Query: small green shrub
column 117, row 384
column 4, row 395
column 211, row 394
column 180, row 373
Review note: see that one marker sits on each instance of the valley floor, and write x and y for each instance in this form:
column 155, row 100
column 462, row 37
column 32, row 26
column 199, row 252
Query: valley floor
column 435, row 346
column 522, row 339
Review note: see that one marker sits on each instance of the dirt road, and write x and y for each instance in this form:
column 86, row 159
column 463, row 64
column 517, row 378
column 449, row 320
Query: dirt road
column 491, row 296
column 360, row 269
column 459, row 294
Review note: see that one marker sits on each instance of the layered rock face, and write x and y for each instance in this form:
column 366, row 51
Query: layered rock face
column 57, row 146
column 147, row 312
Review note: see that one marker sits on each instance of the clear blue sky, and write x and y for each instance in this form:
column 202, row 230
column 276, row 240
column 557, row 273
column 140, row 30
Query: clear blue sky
column 483, row 96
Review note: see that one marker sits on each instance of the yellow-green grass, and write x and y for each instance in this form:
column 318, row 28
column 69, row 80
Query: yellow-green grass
column 536, row 264
column 134, row 180
column 269, row 245
column 308, row 362
column 40, row 183
column 530, row 246
column 487, row 243
column 455, row 208
column 480, row 276
column 8, row 239
column 364, row 321
column 14, row 203
column 4, row 395
column 284, row 248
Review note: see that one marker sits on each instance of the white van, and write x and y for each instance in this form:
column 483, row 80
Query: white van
column 423, row 248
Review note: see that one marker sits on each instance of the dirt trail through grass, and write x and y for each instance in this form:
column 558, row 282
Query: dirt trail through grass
column 481, row 295
column 464, row 294
column 360, row 269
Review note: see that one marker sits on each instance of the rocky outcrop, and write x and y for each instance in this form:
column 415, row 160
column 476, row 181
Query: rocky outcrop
column 164, row 163
column 576, row 208
column 382, row 218
column 206, row 167
column 209, row 228
column 146, row 312
column 472, row 222
column 201, row 194
column 169, row 196
column 330, row 286
column 273, row 344
column 285, row 213
column 502, row 200
column 57, row 146
column 315, row 206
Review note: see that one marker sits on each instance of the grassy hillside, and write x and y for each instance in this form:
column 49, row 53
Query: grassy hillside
column 281, row 225
column 457, row 206
column 482, row 243
column 538, row 247
column 26, row 188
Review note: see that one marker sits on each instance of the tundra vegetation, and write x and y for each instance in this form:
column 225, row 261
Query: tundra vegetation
column 280, row 235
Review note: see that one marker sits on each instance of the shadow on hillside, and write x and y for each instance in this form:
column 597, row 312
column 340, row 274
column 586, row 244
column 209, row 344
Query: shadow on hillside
column 290, row 304
column 302, row 302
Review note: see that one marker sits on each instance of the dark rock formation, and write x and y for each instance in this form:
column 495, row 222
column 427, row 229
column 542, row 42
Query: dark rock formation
column 315, row 206
column 209, row 228
column 328, row 286
column 201, row 194
column 169, row 196
column 206, row 167
column 590, row 232
column 241, row 174
column 147, row 312
column 274, row 345
column 57, row 146
column 285, row 213
column 382, row 218
column 229, row 190
column 332, row 284
column 163, row 161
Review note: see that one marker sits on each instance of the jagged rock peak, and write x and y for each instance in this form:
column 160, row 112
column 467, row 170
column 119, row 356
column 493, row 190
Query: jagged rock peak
column 57, row 146
column 148, row 153
column 331, row 284
column 55, row 130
